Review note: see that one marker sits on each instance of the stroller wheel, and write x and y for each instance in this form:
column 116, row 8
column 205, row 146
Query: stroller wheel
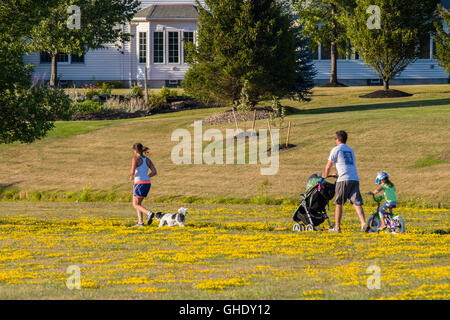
column 297, row 227
column 309, row 227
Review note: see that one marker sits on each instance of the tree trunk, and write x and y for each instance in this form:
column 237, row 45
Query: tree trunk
column 334, row 53
column 333, row 76
column 54, row 71
column 385, row 85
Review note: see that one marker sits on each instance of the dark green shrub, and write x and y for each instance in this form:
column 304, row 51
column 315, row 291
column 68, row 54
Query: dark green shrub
column 91, row 93
column 106, row 89
column 155, row 102
column 167, row 93
column 164, row 93
column 136, row 91
column 87, row 107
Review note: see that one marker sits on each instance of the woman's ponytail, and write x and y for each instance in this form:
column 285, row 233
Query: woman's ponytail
column 140, row 148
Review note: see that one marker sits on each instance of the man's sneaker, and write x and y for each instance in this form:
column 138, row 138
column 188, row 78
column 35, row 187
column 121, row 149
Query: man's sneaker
column 150, row 217
column 365, row 227
column 338, row 230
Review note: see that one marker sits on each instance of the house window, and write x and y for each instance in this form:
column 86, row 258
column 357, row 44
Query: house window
column 158, row 47
column 74, row 58
column 325, row 53
column 352, row 54
column 424, row 49
column 45, row 57
column 62, row 57
column 315, row 52
column 173, row 48
column 434, row 49
column 142, row 47
column 188, row 36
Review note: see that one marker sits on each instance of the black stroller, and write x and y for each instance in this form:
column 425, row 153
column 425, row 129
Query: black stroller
column 312, row 210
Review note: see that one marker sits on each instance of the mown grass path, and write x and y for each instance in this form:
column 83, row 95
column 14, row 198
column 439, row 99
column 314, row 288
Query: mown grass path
column 407, row 137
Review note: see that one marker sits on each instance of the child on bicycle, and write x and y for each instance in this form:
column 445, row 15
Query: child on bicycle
column 389, row 192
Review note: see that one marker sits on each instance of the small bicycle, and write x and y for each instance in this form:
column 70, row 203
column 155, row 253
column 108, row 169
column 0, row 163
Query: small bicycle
column 394, row 223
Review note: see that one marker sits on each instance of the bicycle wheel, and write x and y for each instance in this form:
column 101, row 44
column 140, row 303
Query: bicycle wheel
column 373, row 222
column 400, row 224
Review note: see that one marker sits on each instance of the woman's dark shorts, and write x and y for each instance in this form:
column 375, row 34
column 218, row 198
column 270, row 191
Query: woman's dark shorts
column 348, row 190
column 141, row 190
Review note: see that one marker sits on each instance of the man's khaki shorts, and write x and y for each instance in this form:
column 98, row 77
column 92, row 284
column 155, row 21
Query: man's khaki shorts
column 348, row 190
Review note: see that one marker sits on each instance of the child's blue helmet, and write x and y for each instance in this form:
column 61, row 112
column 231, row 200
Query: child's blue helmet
column 381, row 176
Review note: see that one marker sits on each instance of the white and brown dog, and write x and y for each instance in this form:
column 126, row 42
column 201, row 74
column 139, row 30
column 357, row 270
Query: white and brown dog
column 172, row 219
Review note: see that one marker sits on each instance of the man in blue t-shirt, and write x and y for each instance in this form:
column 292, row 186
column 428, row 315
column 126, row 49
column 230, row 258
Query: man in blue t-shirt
column 347, row 184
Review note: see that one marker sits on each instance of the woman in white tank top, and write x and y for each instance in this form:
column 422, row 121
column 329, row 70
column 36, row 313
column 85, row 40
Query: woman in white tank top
column 140, row 166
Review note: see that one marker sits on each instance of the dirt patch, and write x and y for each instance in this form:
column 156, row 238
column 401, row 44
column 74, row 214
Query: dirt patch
column 227, row 117
column 386, row 94
column 444, row 155
column 109, row 115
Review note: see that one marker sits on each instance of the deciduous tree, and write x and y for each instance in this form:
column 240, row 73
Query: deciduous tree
column 100, row 23
column 389, row 49
column 443, row 38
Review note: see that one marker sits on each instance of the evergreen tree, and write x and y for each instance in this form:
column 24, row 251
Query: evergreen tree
column 243, row 40
column 404, row 24
column 305, row 71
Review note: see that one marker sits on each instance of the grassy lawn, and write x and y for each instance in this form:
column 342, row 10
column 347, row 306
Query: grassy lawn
column 229, row 251
column 408, row 137
column 224, row 252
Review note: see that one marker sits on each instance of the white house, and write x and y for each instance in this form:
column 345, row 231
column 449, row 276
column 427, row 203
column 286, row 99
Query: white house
column 159, row 31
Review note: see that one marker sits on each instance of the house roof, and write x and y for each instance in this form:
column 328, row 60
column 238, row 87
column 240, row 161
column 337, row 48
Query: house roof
column 179, row 11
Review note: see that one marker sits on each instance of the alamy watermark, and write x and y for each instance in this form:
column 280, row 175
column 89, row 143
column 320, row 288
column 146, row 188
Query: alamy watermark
column 374, row 21
column 374, row 280
column 74, row 20
column 234, row 147
column 74, row 280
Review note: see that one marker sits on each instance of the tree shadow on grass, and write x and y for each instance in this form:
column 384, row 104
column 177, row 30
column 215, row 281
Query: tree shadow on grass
column 372, row 106
column 6, row 186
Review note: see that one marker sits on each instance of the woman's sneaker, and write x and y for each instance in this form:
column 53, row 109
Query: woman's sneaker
column 140, row 225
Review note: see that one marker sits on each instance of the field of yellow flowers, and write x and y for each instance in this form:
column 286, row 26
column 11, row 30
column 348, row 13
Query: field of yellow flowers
column 224, row 252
